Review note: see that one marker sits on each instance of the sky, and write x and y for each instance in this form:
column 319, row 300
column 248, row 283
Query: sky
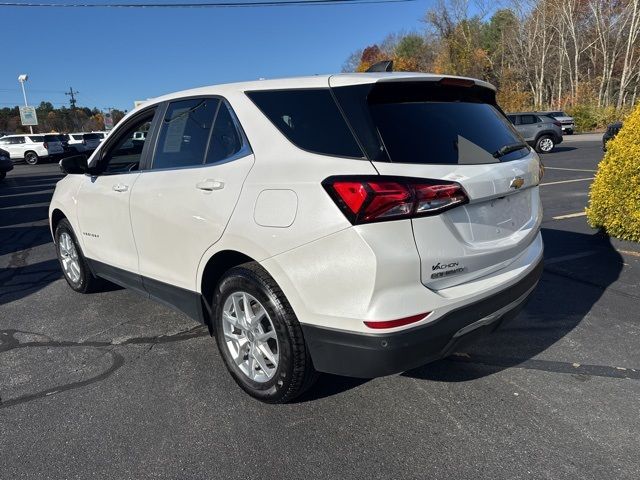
column 116, row 56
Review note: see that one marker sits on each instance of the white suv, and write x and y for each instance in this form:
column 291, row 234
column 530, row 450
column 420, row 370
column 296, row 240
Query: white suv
column 32, row 148
column 357, row 224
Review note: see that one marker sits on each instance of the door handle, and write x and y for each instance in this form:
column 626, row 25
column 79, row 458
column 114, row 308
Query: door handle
column 210, row 185
column 119, row 187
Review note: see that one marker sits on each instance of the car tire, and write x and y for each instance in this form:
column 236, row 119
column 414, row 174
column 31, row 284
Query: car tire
column 72, row 262
column 31, row 158
column 264, row 351
column 545, row 144
column 569, row 132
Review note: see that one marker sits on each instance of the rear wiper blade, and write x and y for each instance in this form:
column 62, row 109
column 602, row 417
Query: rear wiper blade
column 512, row 147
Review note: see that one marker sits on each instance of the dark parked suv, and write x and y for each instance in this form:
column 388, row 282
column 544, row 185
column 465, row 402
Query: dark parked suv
column 541, row 132
column 612, row 131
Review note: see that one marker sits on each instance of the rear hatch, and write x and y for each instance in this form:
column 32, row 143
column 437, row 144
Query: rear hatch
column 451, row 130
column 53, row 144
column 91, row 140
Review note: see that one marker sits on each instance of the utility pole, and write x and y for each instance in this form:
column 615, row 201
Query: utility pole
column 72, row 101
column 72, row 94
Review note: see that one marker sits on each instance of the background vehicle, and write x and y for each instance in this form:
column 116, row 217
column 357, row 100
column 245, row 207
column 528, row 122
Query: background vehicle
column 84, row 142
column 541, row 132
column 101, row 135
column 611, row 132
column 6, row 165
column 567, row 122
column 327, row 223
column 32, row 148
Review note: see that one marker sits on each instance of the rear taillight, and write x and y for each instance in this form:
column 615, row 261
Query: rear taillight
column 557, row 124
column 366, row 199
column 45, row 145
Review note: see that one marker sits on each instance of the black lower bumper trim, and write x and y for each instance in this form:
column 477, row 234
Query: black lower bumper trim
column 375, row 355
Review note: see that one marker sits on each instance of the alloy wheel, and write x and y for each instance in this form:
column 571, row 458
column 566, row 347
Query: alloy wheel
column 250, row 337
column 546, row 144
column 69, row 258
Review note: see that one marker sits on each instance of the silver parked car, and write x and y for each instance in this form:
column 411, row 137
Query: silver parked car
column 541, row 132
column 567, row 123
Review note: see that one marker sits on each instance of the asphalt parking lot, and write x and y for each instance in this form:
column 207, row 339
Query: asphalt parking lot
column 112, row 385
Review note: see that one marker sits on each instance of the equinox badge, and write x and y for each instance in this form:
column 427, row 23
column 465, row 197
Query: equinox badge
column 516, row 183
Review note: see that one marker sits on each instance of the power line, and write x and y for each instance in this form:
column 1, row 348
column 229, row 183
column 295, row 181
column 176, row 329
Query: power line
column 241, row 4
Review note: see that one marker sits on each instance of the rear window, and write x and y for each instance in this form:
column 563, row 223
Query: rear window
column 76, row 137
column 91, row 136
column 426, row 123
column 52, row 138
column 36, row 138
column 310, row 119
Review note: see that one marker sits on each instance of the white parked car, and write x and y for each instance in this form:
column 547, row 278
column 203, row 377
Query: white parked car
column 32, row 148
column 357, row 224
column 84, row 142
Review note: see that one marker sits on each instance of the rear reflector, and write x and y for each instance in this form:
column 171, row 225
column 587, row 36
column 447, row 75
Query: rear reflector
column 375, row 198
column 401, row 322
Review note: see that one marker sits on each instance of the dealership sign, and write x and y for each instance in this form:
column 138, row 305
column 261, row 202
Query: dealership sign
column 28, row 116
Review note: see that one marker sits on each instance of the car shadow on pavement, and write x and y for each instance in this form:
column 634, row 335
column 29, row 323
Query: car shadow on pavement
column 24, row 226
column 563, row 149
column 578, row 269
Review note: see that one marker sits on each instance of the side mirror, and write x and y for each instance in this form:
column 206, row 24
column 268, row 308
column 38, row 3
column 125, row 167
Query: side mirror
column 74, row 165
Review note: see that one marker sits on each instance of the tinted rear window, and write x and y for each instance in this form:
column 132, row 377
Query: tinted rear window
column 422, row 122
column 91, row 136
column 51, row 138
column 310, row 119
column 37, row 138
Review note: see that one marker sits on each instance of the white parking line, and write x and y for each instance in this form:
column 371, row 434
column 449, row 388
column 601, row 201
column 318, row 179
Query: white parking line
column 570, row 169
column 567, row 181
column 570, row 215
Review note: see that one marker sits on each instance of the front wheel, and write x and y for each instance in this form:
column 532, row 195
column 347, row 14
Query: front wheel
column 259, row 336
column 545, row 144
column 74, row 266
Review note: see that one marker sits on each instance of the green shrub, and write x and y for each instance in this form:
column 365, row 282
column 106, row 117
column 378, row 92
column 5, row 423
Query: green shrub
column 614, row 198
column 589, row 118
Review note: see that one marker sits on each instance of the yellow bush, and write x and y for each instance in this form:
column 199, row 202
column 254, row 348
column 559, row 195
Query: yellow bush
column 614, row 199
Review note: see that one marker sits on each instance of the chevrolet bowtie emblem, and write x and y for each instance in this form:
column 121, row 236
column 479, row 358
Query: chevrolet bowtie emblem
column 517, row 183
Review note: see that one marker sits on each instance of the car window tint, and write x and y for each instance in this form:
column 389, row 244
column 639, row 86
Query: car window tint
column 310, row 119
column 527, row 119
column 124, row 155
column 225, row 138
column 37, row 138
column 76, row 137
column 185, row 133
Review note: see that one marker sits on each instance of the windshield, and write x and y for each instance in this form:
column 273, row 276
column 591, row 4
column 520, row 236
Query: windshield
column 422, row 122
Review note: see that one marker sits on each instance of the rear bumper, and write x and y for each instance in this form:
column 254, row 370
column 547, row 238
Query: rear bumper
column 374, row 355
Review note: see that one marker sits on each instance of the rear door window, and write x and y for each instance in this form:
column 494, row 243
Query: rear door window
column 528, row 119
column 310, row 119
column 225, row 139
column 37, row 138
column 185, row 132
